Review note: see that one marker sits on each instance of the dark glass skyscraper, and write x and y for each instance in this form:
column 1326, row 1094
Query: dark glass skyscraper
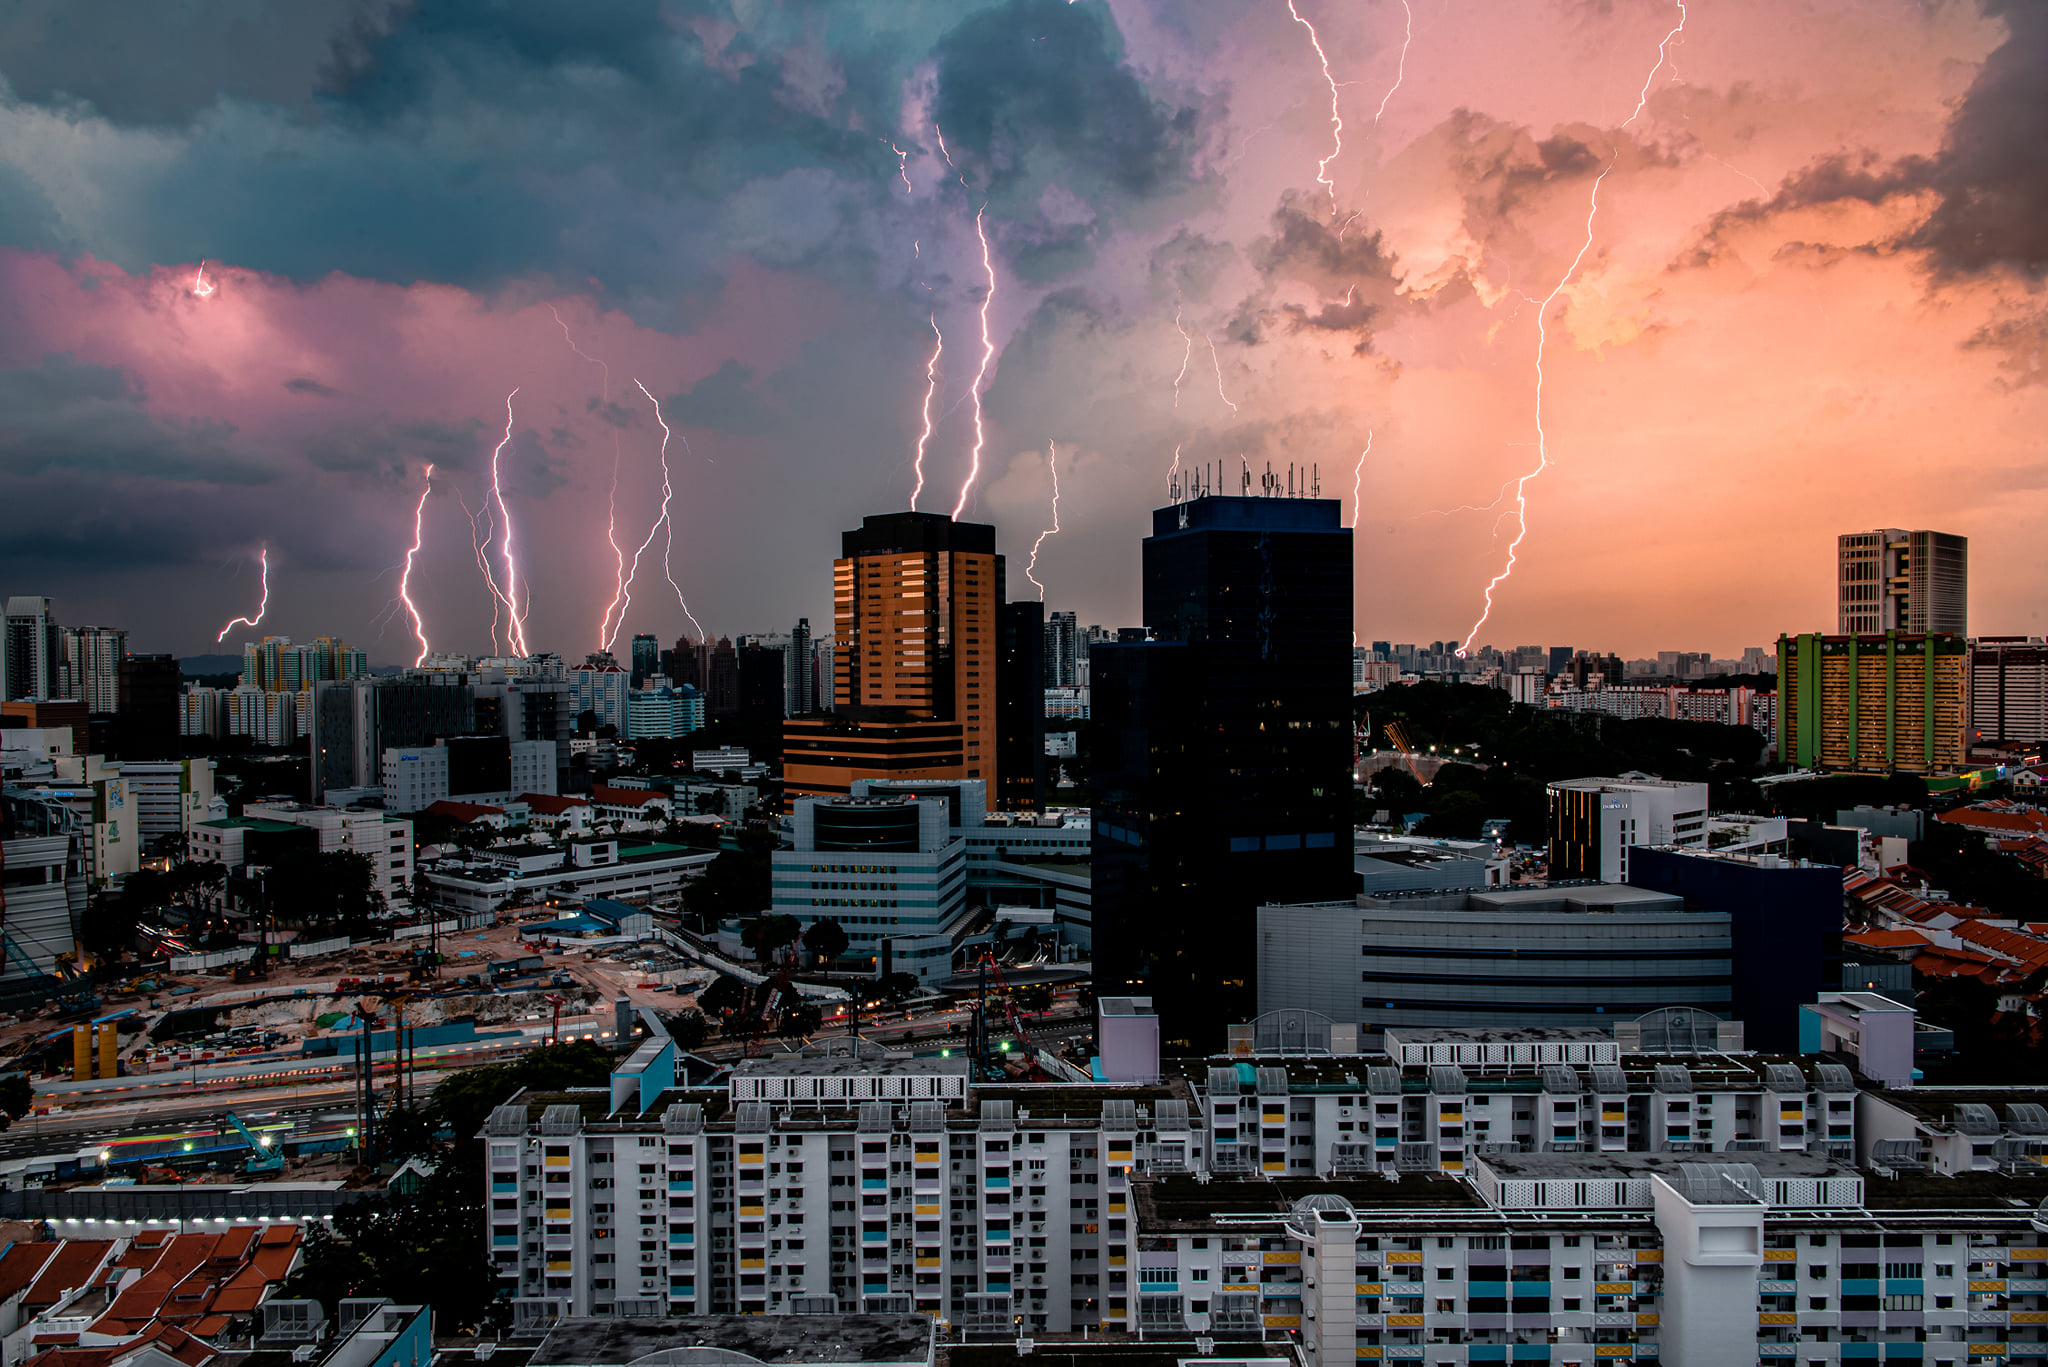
column 1220, row 771
column 1020, row 707
column 646, row 659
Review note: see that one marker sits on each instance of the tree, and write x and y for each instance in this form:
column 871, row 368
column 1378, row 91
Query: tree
column 471, row 837
column 689, row 1029
column 826, row 939
column 1036, row 998
column 802, row 1019
column 17, row 1098
column 724, row 995
column 897, row 987
column 766, row 934
column 336, row 890
column 735, row 885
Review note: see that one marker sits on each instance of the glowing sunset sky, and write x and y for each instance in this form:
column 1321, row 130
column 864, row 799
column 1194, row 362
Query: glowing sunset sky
column 1810, row 303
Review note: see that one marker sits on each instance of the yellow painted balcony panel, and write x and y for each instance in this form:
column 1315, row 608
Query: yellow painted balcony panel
column 1645, row 1321
column 1777, row 1317
column 1613, row 1288
column 1988, row 1350
column 1364, row 1288
column 1614, row 1117
column 1649, row 1255
column 1404, row 1321
column 1988, row 1287
column 2026, row 1255
column 1116, row 1260
column 927, row 1262
column 553, row 1162
column 1781, row 1255
column 1279, row 1256
column 753, row 1210
column 558, row 1265
column 1281, row 1321
column 2030, row 1317
column 925, row 1210
column 1404, row 1256
column 751, row 1263
column 1369, row 1350
column 1611, row 1350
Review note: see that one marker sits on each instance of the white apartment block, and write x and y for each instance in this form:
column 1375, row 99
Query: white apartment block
column 1254, row 1200
column 386, row 841
column 170, row 796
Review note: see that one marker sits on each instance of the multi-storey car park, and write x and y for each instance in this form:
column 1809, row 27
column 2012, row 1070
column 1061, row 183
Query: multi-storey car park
column 1467, row 1197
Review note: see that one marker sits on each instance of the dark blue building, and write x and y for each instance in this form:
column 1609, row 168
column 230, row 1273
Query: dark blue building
column 1785, row 930
column 1220, row 753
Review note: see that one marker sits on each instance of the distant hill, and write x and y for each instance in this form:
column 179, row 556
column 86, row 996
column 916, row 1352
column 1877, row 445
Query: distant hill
column 192, row 666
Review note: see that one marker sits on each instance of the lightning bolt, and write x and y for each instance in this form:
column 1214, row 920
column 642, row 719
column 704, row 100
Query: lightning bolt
column 1336, row 118
column 1187, row 354
column 477, row 541
column 611, row 510
column 1401, row 70
column 1358, row 475
column 1217, row 362
column 263, row 557
column 988, row 351
column 931, row 386
column 902, row 167
column 1051, row 452
column 199, row 285
column 1174, row 473
column 942, row 144
column 405, row 579
column 662, row 523
column 1521, row 508
column 515, row 627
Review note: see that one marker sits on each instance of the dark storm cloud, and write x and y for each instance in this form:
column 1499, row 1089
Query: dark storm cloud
column 399, row 448
column 531, row 467
column 306, row 384
column 1044, row 74
column 1990, row 178
column 148, row 62
column 724, row 401
column 1991, row 172
column 1346, row 262
column 65, row 415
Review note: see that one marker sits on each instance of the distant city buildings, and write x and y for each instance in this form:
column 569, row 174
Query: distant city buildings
column 2009, row 690
column 1891, row 702
column 1915, row 582
column 31, row 651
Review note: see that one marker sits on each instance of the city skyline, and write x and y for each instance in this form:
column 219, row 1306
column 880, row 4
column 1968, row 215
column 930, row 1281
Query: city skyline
column 1807, row 271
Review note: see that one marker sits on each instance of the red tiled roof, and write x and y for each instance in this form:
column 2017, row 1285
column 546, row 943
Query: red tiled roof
column 463, row 811
column 2007, row 944
column 20, row 1264
column 1888, row 939
column 2007, row 823
column 73, row 1266
column 626, row 797
column 550, row 804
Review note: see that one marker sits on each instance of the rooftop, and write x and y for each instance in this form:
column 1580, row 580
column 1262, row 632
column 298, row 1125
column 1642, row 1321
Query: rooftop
column 1169, row 1202
column 764, row 1338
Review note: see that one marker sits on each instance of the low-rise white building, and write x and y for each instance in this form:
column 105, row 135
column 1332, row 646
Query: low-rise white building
column 624, row 868
column 1594, row 822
